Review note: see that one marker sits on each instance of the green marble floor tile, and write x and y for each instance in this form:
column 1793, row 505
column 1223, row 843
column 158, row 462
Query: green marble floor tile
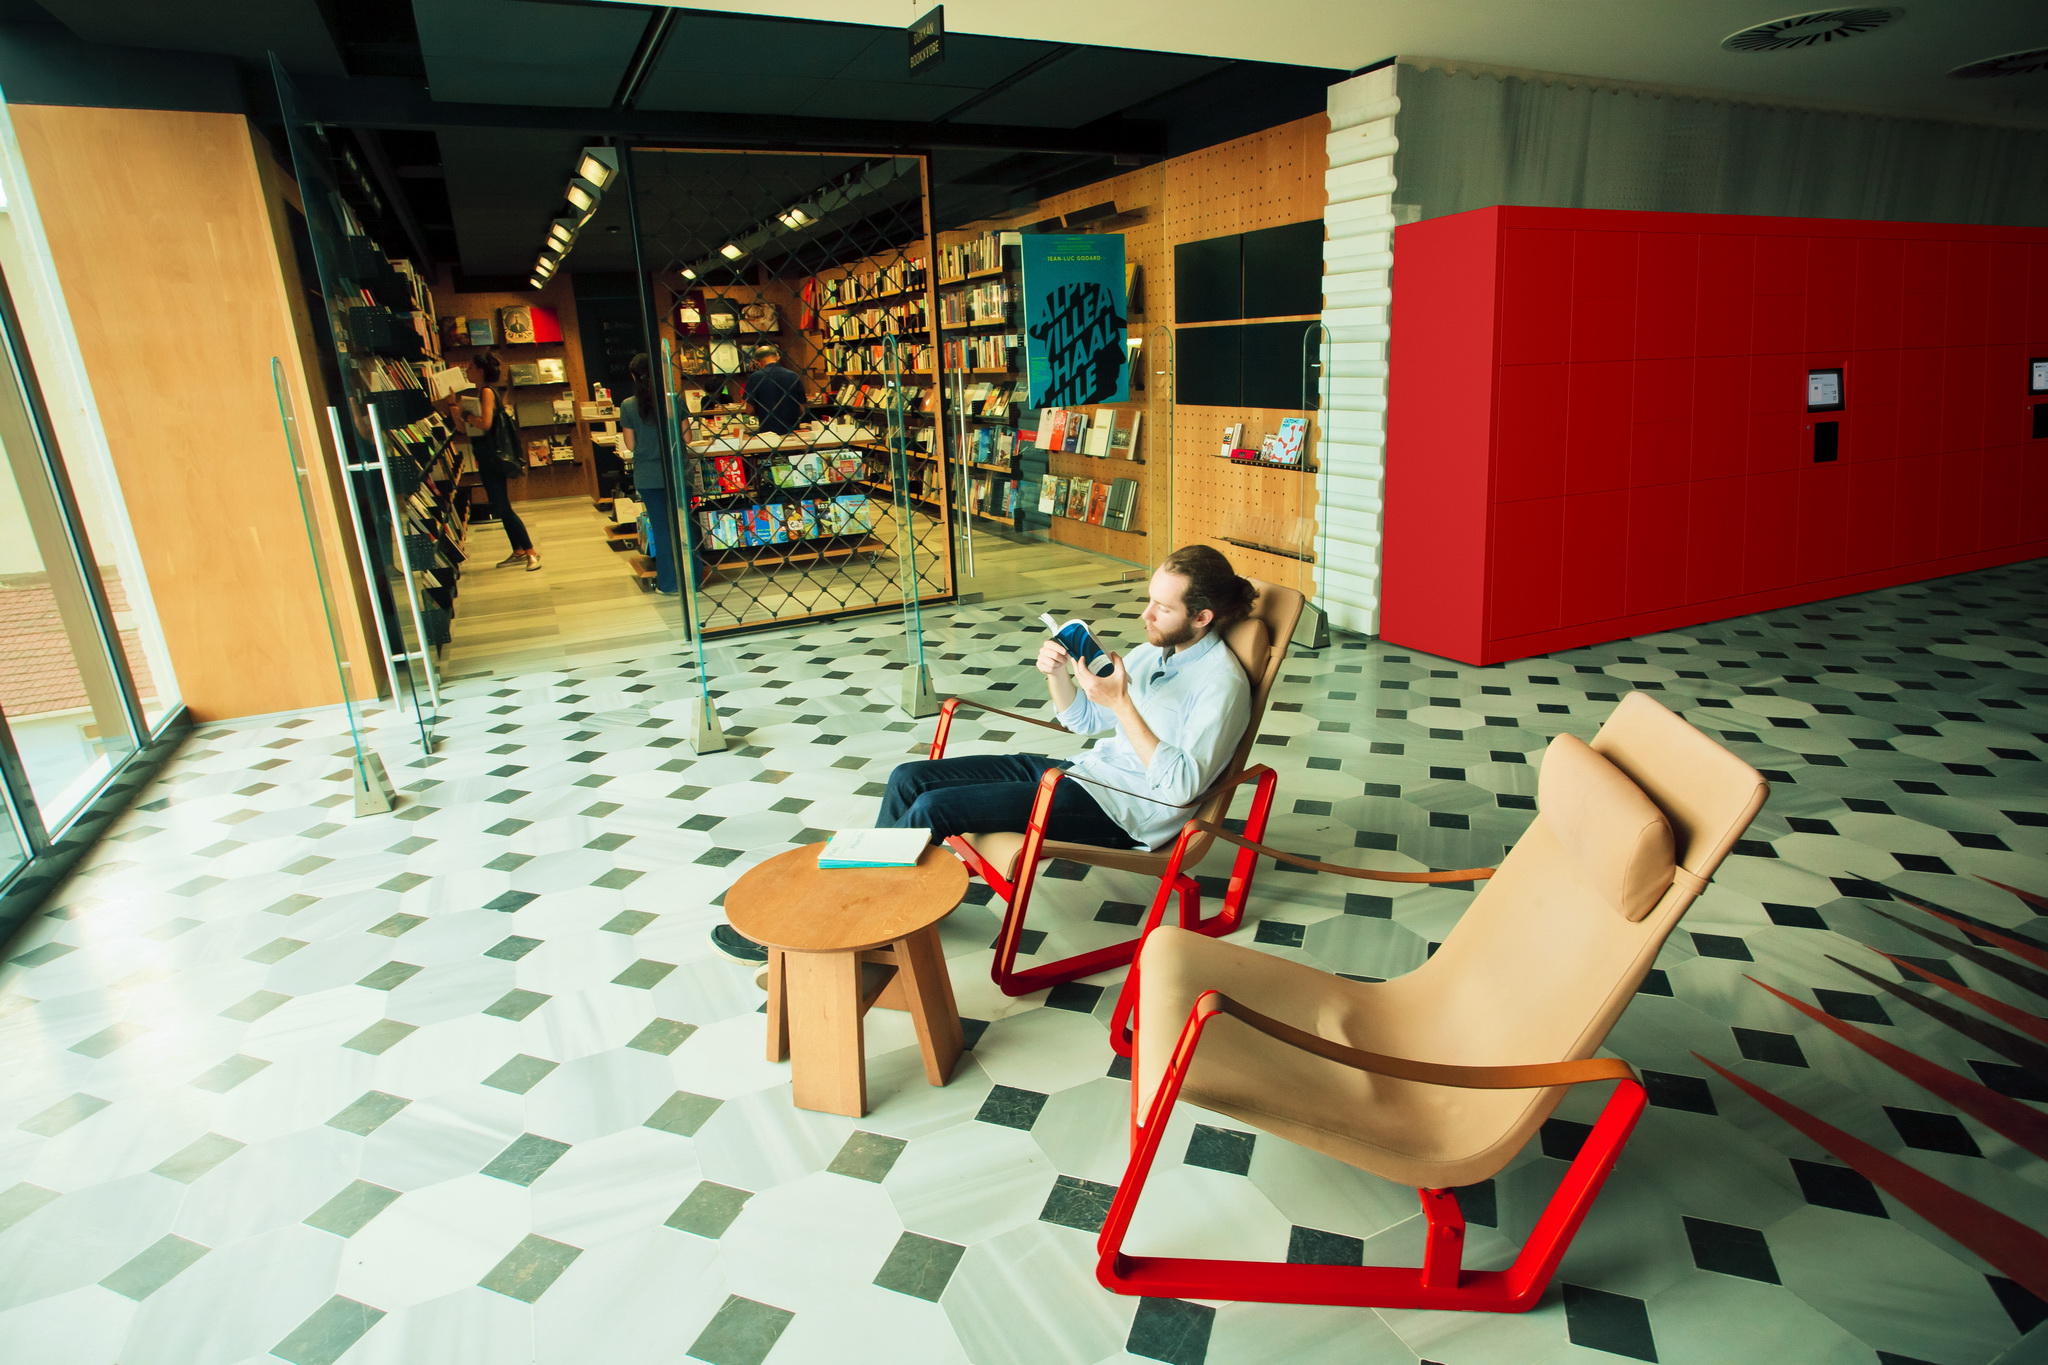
column 154, row 1268
column 683, row 1113
column 516, row 1005
column 391, row 976
column 347, row 1213
column 662, row 1036
column 328, row 1333
column 107, row 1039
column 21, row 1200
column 867, row 1156
column 254, row 1006
column 920, row 1266
column 403, row 882
column 741, row 1332
column 197, row 1157
column 275, row 950
column 513, row 948
column 368, row 1113
column 36, row 957
column 1173, row 1330
column 292, row 904
column 521, row 1074
column 526, row 1160
column 618, row 879
column 398, row 924
column 529, row 1268
column 61, row 1115
column 605, row 843
column 228, row 1074
column 644, row 975
column 628, row 922
column 709, row 1210
column 379, row 1037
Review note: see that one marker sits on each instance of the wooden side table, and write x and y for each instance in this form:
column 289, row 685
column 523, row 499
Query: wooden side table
column 841, row 941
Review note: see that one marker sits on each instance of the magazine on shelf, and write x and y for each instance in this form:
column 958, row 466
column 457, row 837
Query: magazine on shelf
column 1079, row 492
column 1051, row 491
column 1095, row 438
column 1098, row 501
column 1288, row 441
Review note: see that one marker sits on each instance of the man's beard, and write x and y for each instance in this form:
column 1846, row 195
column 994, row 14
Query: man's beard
column 1187, row 634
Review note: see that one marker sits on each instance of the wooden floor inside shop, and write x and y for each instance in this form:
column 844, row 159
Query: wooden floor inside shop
column 584, row 603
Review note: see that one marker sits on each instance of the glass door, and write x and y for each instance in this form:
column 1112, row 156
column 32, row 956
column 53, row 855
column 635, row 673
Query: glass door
column 788, row 303
column 398, row 455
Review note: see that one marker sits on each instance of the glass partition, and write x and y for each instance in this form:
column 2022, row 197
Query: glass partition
column 399, row 457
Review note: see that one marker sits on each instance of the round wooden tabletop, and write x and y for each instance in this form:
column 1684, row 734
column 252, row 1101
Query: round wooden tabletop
column 788, row 902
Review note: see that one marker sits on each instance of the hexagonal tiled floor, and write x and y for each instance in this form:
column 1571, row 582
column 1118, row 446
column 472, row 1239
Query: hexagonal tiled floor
column 465, row 1083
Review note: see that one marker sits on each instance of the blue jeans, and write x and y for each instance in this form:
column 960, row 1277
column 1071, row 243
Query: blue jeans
column 990, row 794
column 656, row 500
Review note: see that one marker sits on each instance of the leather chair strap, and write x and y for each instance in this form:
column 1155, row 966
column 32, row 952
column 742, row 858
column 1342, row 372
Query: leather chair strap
column 1028, row 720
column 1467, row 874
column 1530, row 1077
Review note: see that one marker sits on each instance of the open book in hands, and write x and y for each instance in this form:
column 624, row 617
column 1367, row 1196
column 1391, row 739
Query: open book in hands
column 1079, row 642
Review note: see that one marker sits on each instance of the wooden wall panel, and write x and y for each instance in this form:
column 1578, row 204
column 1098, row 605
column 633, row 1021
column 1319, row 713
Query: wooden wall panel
column 163, row 244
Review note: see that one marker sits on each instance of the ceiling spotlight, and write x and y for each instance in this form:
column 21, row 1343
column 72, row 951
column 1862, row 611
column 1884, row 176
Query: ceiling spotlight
column 795, row 219
column 598, row 166
column 689, row 274
column 730, row 252
column 562, row 233
column 1813, row 29
column 582, row 200
column 535, row 282
column 2010, row 64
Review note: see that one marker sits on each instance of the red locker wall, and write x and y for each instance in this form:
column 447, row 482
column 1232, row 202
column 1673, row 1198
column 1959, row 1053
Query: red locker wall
column 1597, row 425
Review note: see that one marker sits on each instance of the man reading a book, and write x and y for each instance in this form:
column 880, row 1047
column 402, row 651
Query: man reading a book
column 1178, row 705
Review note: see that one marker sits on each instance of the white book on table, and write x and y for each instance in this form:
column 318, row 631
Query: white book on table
column 874, row 848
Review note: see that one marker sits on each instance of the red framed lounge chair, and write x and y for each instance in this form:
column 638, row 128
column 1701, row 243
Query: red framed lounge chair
column 1009, row 862
column 1509, row 1011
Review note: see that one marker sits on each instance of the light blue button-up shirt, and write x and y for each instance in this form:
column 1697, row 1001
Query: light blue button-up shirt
column 1197, row 701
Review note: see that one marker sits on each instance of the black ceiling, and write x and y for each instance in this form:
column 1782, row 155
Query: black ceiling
column 474, row 110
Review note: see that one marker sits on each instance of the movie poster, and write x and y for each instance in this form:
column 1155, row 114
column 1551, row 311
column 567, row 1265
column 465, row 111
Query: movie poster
column 1074, row 320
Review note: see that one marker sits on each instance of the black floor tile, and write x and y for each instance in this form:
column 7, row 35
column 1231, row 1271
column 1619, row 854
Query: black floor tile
column 1313, row 1246
column 1221, row 1149
column 1011, row 1108
column 1608, row 1322
column 1932, row 1132
column 1077, row 1203
column 1172, row 1330
column 1761, row 1045
column 1829, row 1186
column 1731, row 1250
column 1078, row 996
column 1668, row 1090
column 2015, row 1082
column 1853, row 1006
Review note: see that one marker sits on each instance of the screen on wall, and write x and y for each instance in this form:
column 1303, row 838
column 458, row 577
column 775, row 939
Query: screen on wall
column 1823, row 390
column 1075, row 350
column 2037, row 375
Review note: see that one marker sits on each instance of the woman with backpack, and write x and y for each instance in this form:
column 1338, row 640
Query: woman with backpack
column 494, row 441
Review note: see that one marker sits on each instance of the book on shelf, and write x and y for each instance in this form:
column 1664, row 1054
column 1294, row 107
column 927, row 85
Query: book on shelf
column 453, row 330
column 1095, row 438
column 522, row 372
column 732, row 473
column 1123, row 500
column 1051, row 493
column 535, row 412
column 537, row 453
column 446, row 383
column 1098, row 501
column 480, row 331
column 1123, row 437
column 565, row 410
column 547, row 327
column 1079, row 493
column 552, row 371
column 516, row 322
column 1289, row 440
column 1076, row 427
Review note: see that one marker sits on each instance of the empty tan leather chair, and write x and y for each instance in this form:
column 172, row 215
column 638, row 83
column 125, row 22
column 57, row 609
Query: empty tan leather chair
column 1009, row 862
column 1439, row 1077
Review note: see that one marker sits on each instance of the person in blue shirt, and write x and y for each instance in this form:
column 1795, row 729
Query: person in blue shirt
column 1178, row 705
column 640, row 422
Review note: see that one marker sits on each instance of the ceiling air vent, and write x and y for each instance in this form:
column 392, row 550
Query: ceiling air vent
column 2011, row 64
column 1816, row 29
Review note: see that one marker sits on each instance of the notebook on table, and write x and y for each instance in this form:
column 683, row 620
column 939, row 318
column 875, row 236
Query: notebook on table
column 874, row 848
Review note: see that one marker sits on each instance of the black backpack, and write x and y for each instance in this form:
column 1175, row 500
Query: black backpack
column 497, row 448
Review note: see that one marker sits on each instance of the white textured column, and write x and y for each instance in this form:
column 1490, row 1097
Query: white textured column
column 1357, row 256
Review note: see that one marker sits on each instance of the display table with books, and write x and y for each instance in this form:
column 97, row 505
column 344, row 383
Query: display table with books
column 842, row 941
column 760, row 499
